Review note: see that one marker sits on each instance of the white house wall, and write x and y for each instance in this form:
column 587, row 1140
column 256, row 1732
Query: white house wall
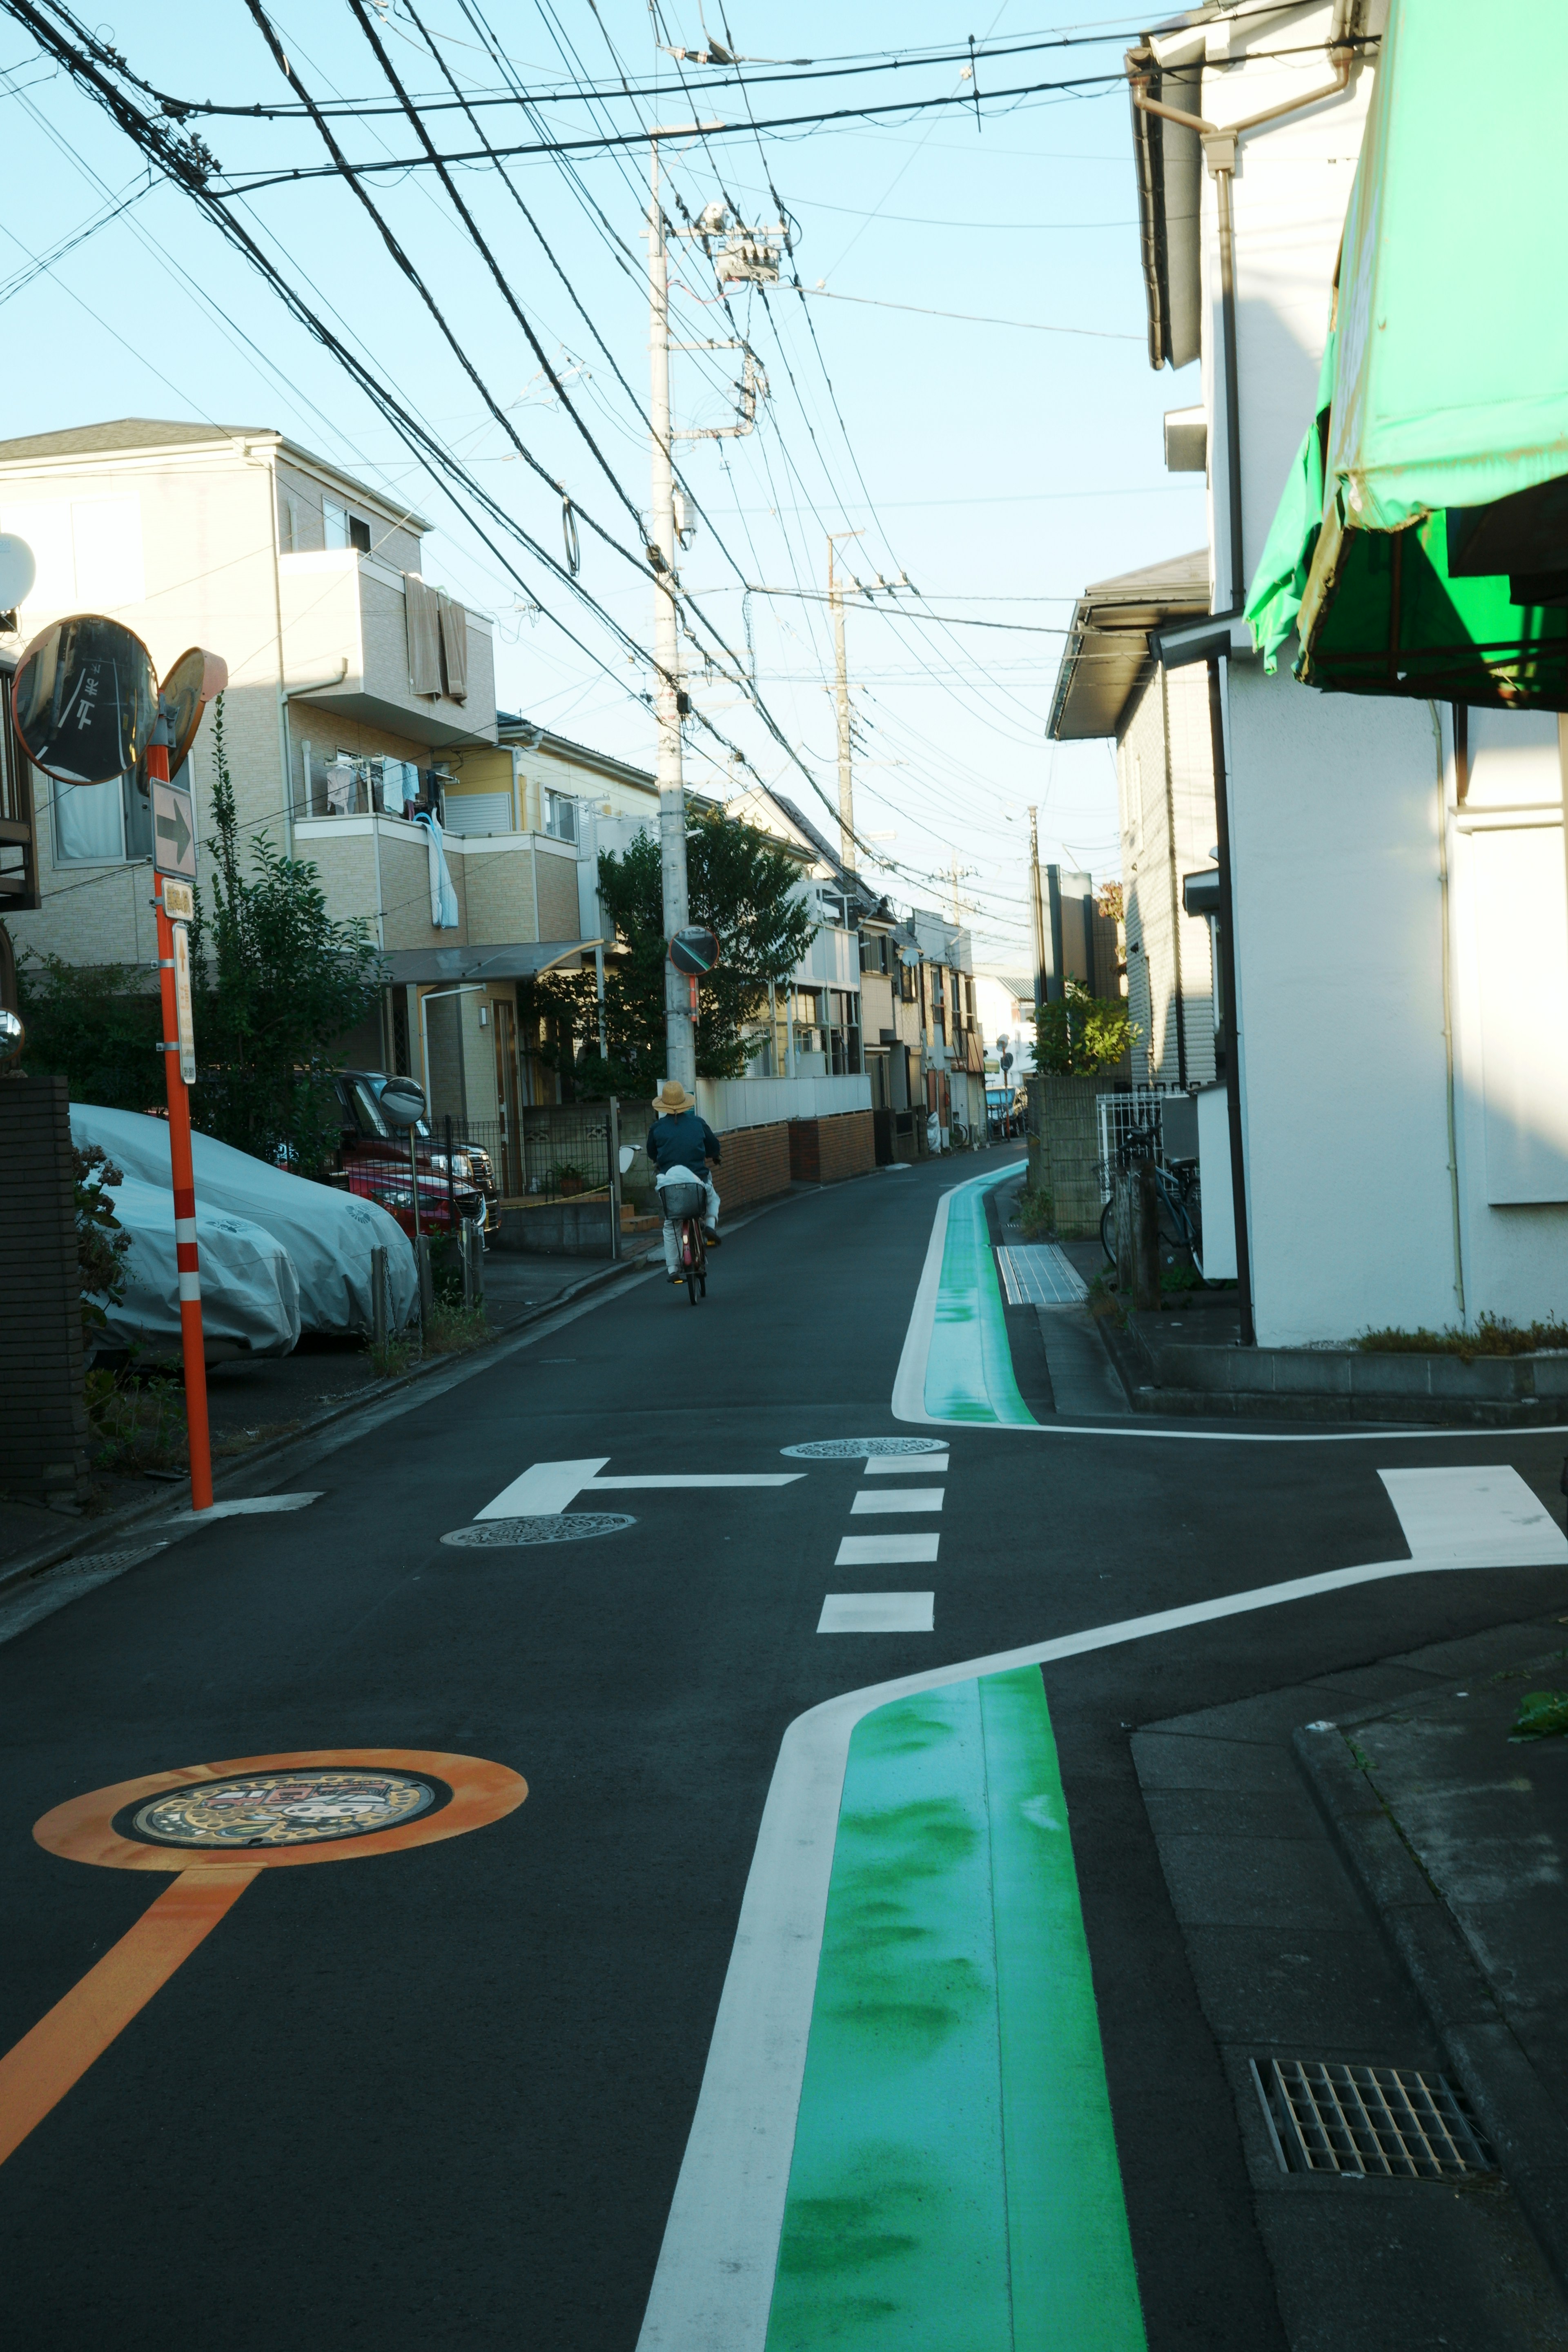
column 1340, row 965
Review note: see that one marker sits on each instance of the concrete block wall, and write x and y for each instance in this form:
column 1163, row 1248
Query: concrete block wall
column 43, row 1418
column 1064, row 1149
column 825, row 1150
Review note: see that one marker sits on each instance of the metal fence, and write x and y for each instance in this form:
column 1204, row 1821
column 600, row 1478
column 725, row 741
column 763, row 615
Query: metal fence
column 1129, row 1129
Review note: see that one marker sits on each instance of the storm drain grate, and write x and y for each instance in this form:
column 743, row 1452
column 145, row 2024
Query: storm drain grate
column 1385, row 2120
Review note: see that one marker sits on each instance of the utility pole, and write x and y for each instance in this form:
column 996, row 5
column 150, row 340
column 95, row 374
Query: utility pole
column 680, row 1043
column 1037, row 910
column 841, row 699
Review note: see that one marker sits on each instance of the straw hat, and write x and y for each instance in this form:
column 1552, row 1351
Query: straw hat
column 672, row 1097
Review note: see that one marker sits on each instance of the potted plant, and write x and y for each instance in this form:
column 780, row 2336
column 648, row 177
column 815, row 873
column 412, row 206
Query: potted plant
column 569, row 1178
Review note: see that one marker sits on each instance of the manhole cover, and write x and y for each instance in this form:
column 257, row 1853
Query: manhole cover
column 1385, row 2120
column 553, row 1527
column 856, row 1449
column 271, row 1809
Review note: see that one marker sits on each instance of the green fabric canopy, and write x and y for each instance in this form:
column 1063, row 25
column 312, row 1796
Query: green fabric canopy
column 1421, row 547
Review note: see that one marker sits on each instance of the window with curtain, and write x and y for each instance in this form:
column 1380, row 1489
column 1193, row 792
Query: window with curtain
column 111, row 823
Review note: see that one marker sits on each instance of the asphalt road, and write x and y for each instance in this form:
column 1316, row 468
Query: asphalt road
column 441, row 2097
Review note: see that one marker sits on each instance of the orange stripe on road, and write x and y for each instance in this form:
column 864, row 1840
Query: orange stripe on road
column 50, row 2060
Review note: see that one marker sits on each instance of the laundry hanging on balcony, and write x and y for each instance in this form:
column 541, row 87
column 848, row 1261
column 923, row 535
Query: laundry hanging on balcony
column 454, row 645
column 1421, row 547
column 423, row 612
column 444, row 914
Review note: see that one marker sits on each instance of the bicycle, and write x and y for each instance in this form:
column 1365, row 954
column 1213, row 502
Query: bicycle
column 683, row 1205
column 1175, row 1186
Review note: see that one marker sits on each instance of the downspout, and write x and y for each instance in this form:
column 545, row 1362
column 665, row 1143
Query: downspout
column 1449, row 1008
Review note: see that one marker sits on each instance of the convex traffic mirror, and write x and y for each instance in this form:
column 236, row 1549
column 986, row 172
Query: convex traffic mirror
column 85, row 699
column 402, row 1102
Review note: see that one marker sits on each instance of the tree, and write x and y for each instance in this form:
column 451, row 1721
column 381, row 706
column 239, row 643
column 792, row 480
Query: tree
column 1081, row 1034
column 741, row 887
column 96, row 1026
column 279, row 986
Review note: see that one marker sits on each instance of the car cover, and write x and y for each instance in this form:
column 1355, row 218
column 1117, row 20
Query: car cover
column 328, row 1234
column 249, row 1297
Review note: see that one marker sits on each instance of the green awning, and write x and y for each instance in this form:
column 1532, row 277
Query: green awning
column 1421, row 547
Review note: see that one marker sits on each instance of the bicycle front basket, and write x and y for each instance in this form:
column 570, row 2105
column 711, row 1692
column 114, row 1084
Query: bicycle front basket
column 681, row 1200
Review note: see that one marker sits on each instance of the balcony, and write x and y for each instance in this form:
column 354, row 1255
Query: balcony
column 344, row 611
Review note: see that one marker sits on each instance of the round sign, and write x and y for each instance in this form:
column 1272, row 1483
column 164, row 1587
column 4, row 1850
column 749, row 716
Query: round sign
column 85, row 699
column 694, row 950
column 17, row 570
column 13, row 1036
column 187, row 691
column 402, row 1102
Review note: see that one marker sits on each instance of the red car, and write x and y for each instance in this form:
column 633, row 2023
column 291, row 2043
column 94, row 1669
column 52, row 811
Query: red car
column 374, row 1161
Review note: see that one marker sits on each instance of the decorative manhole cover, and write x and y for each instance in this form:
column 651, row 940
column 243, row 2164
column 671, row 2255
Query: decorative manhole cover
column 271, row 1809
column 553, row 1527
column 856, row 1449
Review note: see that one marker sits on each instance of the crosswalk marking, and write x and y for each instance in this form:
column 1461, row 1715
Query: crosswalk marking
column 886, row 1551
column 899, row 1498
column 877, row 1613
column 905, row 1466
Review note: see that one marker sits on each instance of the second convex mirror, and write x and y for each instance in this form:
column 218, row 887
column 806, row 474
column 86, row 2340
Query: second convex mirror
column 188, row 689
column 86, row 700
column 402, row 1102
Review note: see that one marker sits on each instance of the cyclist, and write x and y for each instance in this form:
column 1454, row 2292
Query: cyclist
column 679, row 1145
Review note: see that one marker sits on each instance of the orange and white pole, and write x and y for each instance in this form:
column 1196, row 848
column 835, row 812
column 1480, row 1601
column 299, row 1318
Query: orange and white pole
column 184, row 1178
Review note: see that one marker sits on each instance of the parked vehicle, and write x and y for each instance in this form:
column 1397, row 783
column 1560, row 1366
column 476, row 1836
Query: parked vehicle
column 1004, row 1108
column 373, row 1162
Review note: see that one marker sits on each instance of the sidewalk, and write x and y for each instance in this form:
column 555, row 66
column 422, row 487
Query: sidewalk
column 1365, row 1873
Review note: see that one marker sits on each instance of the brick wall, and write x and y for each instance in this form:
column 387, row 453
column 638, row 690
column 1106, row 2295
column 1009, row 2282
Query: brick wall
column 43, row 1420
column 756, row 1165
column 825, row 1150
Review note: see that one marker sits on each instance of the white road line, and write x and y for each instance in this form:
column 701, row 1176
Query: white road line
column 548, row 1487
column 1450, row 1514
column 899, row 1498
column 251, row 1505
column 886, row 1551
column 714, row 2283
column 907, row 1465
column 877, row 1613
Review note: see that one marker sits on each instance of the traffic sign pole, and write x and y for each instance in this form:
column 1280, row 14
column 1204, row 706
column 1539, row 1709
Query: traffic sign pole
column 185, row 1255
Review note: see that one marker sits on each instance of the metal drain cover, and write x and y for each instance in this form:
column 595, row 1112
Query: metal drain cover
column 858, row 1449
column 553, row 1527
column 1385, row 2120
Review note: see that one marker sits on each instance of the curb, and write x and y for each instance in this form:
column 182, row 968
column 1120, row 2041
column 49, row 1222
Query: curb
column 1509, row 2101
column 100, row 1533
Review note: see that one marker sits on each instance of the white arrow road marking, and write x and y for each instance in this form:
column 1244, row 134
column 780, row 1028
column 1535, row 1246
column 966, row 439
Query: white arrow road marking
column 551, row 1486
column 877, row 1613
column 899, row 1498
column 714, row 2284
column 886, row 1551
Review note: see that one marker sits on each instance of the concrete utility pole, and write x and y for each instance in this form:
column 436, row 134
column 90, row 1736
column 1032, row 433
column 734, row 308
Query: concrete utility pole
column 680, row 1046
column 841, row 699
column 1037, row 910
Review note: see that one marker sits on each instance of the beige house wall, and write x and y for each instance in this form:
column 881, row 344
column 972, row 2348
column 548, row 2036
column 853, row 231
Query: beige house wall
column 1165, row 785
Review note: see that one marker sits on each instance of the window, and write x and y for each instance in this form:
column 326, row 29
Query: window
column 560, row 817
column 907, row 972
column 105, row 825
column 342, row 528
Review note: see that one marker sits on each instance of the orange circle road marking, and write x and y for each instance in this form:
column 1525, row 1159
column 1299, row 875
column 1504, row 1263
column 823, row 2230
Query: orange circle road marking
column 44, row 2065
column 83, row 1829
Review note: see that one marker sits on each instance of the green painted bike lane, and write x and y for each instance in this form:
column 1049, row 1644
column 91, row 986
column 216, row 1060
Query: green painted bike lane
column 954, row 2182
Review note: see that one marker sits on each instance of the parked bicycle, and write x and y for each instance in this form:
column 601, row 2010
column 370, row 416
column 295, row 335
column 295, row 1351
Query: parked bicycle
column 1177, row 1204
column 684, row 1205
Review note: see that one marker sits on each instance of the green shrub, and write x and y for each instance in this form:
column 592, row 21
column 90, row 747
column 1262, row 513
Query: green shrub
column 1493, row 1336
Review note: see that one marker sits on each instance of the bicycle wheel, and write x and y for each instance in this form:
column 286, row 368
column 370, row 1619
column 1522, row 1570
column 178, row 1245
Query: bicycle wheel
column 690, row 1246
column 1107, row 1230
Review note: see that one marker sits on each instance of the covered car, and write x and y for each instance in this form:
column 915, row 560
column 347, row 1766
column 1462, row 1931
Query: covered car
column 329, row 1235
column 250, row 1299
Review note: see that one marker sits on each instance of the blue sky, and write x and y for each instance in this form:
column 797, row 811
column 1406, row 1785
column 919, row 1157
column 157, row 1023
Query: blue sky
column 1001, row 469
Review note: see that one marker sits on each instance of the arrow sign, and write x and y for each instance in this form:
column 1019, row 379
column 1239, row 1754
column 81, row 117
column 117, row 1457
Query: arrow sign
column 552, row 1486
column 174, row 831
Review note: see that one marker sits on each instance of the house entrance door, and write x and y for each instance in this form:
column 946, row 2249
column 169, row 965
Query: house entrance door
column 507, row 1096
